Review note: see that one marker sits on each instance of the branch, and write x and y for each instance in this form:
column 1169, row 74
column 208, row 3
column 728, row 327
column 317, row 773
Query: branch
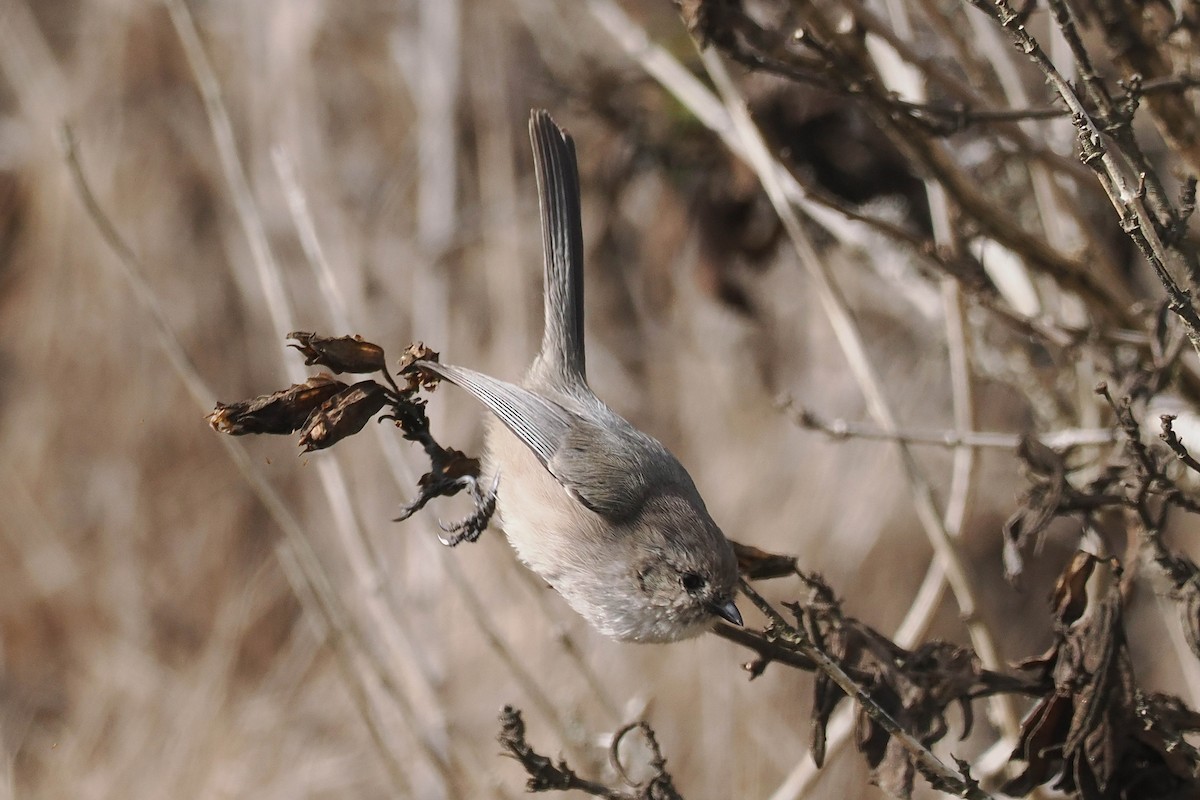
column 547, row 776
column 845, row 429
column 304, row 569
column 1128, row 201
column 1173, row 441
column 939, row 775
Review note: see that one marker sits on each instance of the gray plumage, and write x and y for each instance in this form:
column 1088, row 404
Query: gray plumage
column 600, row 510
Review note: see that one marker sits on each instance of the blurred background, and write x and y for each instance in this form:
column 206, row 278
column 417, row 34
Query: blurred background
column 362, row 167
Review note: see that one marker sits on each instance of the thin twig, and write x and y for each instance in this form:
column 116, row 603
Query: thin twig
column 405, row 479
column 1115, row 121
column 846, row 429
column 298, row 208
column 933, row 586
column 850, row 339
column 547, row 776
column 1173, row 441
column 309, row 580
column 535, row 690
column 859, row 79
column 1061, row 215
column 544, row 774
column 708, row 109
column 1129, row 201
column 310, row 242
column 969, row 98
column 941, row 776
column 361, row 553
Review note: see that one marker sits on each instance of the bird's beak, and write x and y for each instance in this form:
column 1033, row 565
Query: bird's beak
column 728, row 611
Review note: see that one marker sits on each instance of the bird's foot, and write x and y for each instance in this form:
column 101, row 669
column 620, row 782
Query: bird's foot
column 470, row 528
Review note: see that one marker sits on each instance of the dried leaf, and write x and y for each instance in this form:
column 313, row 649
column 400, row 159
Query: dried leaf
column 826, row 696
column 711, row 21
column 1092, row 729
column 1040, row 505
column 1188, row 597
column 341, row 354
column 342, row 415
column 417, row 378
column 914, row 687
column 1069, row 597
column 895, row 773
column 281, row 413
column 758, row 565
column 452, row 471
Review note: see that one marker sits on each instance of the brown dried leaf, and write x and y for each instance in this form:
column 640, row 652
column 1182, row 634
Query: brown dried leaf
column 1040, row 458
column 711, row 21
column 418, row 378
column 914, row 687
column 922, row 686
column 445, row 478
column 1040, row 505
column 895, row 773
column 759, row 565
column 417, row 351
column 1093, row 728
column 1165, row 719
column 1069, row 597
column 341, row 354
column 281, row 413
column 451, row 465
column 342, row 415
column 1188, row 598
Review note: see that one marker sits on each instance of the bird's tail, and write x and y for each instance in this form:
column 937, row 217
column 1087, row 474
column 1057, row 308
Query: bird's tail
column 562, row 355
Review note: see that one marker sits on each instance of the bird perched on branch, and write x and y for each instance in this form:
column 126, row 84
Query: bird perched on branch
column 600, row 510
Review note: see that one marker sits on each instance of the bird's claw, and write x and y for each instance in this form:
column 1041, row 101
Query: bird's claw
column 473, row 526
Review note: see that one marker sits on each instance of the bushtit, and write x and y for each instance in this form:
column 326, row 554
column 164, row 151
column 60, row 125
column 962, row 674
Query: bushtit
column 594, row 506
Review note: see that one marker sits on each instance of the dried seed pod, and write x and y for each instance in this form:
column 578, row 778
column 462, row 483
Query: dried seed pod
column 418, row 378
column 281, row 412
column 341, row 354
column 342, row 415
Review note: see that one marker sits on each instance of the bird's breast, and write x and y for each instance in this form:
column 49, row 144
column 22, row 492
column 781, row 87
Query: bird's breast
column 552, row 532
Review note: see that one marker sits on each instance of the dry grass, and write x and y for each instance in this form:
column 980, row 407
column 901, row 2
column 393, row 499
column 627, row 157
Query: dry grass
column 152, row 643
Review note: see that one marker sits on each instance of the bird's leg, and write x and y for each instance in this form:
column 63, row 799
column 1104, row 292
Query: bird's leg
column 470, row 528
column 450, row 472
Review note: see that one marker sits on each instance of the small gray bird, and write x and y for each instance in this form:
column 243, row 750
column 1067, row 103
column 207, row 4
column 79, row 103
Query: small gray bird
column 600, row 510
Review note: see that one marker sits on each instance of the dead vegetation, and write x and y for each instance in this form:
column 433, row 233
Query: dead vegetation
column 965, row 266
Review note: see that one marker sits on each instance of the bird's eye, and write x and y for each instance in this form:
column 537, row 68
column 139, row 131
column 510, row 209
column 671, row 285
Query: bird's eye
column 693, row 582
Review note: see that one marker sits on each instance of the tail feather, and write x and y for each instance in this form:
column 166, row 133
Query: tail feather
column 562, row 239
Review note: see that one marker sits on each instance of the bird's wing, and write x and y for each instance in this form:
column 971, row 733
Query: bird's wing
column 608, row 466
column 605, row 464
column 540, row 424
